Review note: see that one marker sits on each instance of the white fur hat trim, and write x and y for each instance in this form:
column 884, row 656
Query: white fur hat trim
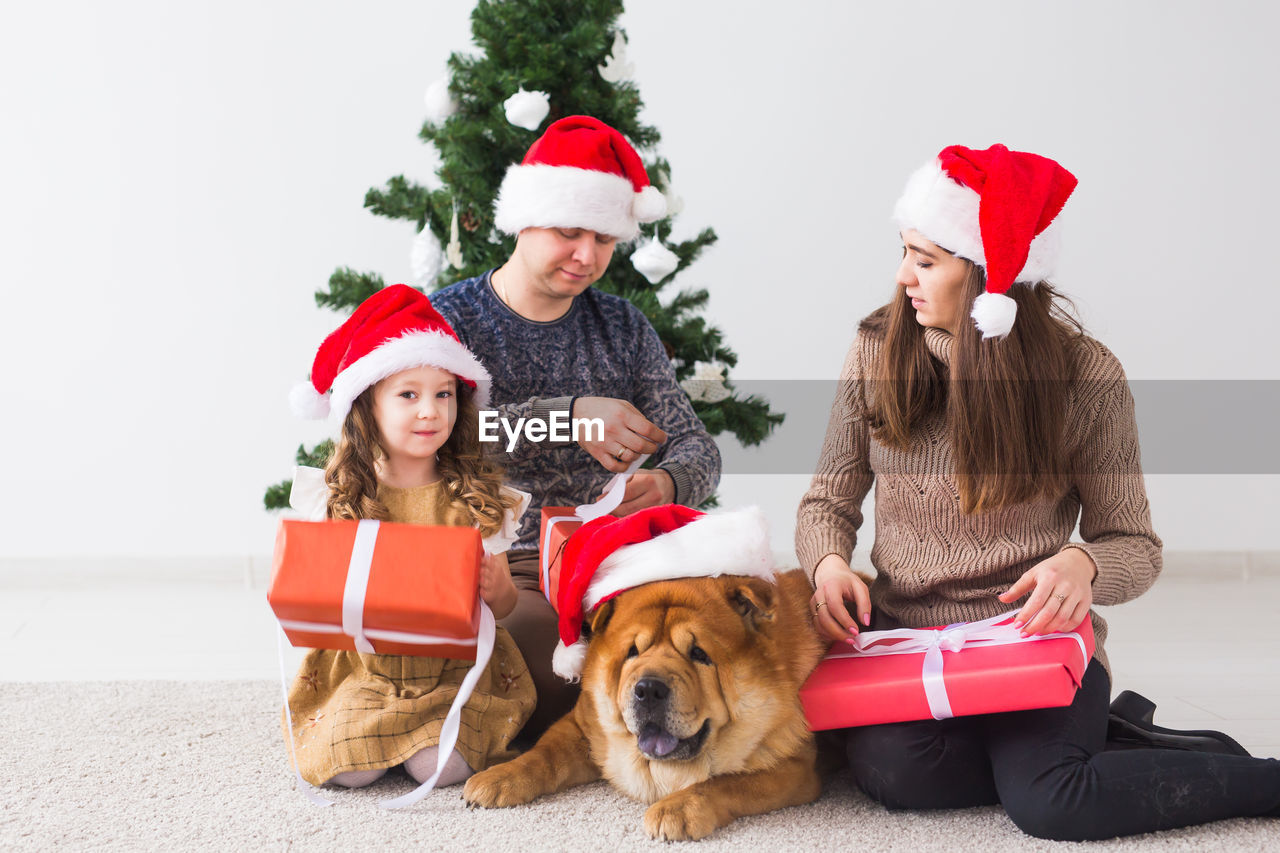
column 724, row 543
column 946, row 213
column 541, row 196
column 416, row 349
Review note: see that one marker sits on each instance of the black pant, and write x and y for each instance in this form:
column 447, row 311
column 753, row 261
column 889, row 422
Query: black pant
column 1049, row 770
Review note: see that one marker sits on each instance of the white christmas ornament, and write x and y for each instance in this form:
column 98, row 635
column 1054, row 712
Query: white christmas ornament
column 426, row 258
column 453, row 252
column 654, row 261
column 616, row 68
column 527, row 109
column 707, row 383
column 440, row 104
column 675, row 204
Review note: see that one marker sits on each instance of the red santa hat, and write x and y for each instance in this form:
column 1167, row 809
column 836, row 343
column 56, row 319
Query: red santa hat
column 581, row 173
column 395, row 329
column 994, row 207
column 611, row 555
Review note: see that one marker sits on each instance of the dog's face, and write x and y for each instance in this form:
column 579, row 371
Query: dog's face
column 684, row 676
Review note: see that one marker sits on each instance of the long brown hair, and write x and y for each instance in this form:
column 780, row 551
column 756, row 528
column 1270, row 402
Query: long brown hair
column 1004, row 398
column 470, row 476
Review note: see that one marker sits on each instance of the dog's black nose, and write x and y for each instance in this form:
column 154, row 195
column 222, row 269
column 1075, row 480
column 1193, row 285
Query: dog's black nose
column 651, row 691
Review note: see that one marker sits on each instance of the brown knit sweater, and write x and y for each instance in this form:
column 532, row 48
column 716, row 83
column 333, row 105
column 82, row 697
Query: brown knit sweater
column 936, row 565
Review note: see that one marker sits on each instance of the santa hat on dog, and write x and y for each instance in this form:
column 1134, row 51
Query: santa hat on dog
column 994, row 207
column 611, row 555
column 581, row 173
column 395, row 329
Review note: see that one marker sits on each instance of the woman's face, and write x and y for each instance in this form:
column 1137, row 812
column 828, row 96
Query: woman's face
column 933, row 279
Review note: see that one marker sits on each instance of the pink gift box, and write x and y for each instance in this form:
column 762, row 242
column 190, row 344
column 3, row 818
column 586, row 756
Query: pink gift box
column 935, row 673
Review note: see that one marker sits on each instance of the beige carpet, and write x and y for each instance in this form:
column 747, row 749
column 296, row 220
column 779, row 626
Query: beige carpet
column 146, row 765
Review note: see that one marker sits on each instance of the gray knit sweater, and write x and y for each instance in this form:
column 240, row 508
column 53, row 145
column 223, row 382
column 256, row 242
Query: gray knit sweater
column 936, row 565
column 602, row 347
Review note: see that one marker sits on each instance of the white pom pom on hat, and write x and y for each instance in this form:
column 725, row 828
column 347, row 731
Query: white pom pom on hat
column 307, row 403
column 994, row 314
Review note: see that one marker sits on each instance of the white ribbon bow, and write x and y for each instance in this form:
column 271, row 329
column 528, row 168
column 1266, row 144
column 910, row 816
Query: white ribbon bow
column 612, row 499
column 996, row 631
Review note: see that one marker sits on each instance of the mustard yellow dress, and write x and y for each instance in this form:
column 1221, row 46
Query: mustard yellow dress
column 357, row 711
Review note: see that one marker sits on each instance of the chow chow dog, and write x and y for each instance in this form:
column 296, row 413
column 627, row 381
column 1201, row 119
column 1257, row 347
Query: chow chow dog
column 689, row 702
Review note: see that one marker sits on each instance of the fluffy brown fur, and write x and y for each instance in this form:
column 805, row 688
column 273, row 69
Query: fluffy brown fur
column 730, row 654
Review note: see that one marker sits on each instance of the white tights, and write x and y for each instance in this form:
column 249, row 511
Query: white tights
column 420, row 766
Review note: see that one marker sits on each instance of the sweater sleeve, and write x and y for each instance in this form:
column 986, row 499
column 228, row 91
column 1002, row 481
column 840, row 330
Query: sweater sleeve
column 689, row 455
column 534, row 409
column 1115, row 518
column 830, row 512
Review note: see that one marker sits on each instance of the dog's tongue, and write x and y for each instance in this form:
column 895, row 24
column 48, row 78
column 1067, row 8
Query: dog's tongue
column 656, row 741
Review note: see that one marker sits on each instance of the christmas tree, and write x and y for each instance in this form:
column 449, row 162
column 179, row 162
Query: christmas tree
column 542, row 60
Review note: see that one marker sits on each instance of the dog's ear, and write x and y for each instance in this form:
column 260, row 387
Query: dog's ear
column 597, row 620
column 755, row 600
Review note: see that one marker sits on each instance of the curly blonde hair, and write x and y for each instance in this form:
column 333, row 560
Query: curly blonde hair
column 471, row 477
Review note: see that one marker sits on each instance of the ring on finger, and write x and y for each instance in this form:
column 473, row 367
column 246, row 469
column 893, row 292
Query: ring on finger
column 1061, row 598
column 821, row 604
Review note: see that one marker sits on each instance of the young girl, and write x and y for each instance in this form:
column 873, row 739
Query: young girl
column 989, row 422
column 406, row 393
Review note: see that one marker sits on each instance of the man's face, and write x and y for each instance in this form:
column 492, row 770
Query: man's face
column 563, row 262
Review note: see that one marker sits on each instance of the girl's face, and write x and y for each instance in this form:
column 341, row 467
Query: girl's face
column 415, row 410
column 933, row 279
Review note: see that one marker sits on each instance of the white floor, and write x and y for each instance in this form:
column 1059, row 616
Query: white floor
column 1204, row 643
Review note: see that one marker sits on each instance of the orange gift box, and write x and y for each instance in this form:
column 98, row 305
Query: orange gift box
column 420, row 597
column 551, row 538
column 992, row 671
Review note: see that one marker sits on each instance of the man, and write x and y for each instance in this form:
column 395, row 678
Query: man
column 555, row 346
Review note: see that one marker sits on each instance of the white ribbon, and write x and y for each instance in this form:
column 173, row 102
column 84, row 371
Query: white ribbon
column 996, row 631
column 453, row 721
column 358, row 584
column 612, row 499
column 306, row 788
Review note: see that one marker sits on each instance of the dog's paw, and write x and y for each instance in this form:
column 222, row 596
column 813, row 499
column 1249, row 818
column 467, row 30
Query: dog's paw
column 499, row 787
column 683, row 816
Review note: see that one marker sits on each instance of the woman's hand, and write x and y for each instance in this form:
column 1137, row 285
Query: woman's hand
column 496, row 587
column 1061, row 590
column 835, row 585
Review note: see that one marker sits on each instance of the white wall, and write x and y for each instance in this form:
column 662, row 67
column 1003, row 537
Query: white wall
column 177, row 179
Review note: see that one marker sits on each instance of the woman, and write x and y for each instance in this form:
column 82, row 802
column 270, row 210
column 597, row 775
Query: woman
column 990, row 423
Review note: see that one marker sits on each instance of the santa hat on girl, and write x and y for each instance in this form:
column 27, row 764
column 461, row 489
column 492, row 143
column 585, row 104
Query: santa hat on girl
column 395, row 329
column 611, row 555
column 994, row 207
column 581, row 173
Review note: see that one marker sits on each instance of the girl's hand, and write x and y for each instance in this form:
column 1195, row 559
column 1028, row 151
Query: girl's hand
column 836, row 584
column 1061, row 590
column 496, row 587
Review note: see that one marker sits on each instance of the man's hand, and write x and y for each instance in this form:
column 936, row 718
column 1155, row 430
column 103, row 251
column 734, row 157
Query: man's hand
column 646, row 488
column 1061, row 590
column 627, row 433
column 835, row 587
